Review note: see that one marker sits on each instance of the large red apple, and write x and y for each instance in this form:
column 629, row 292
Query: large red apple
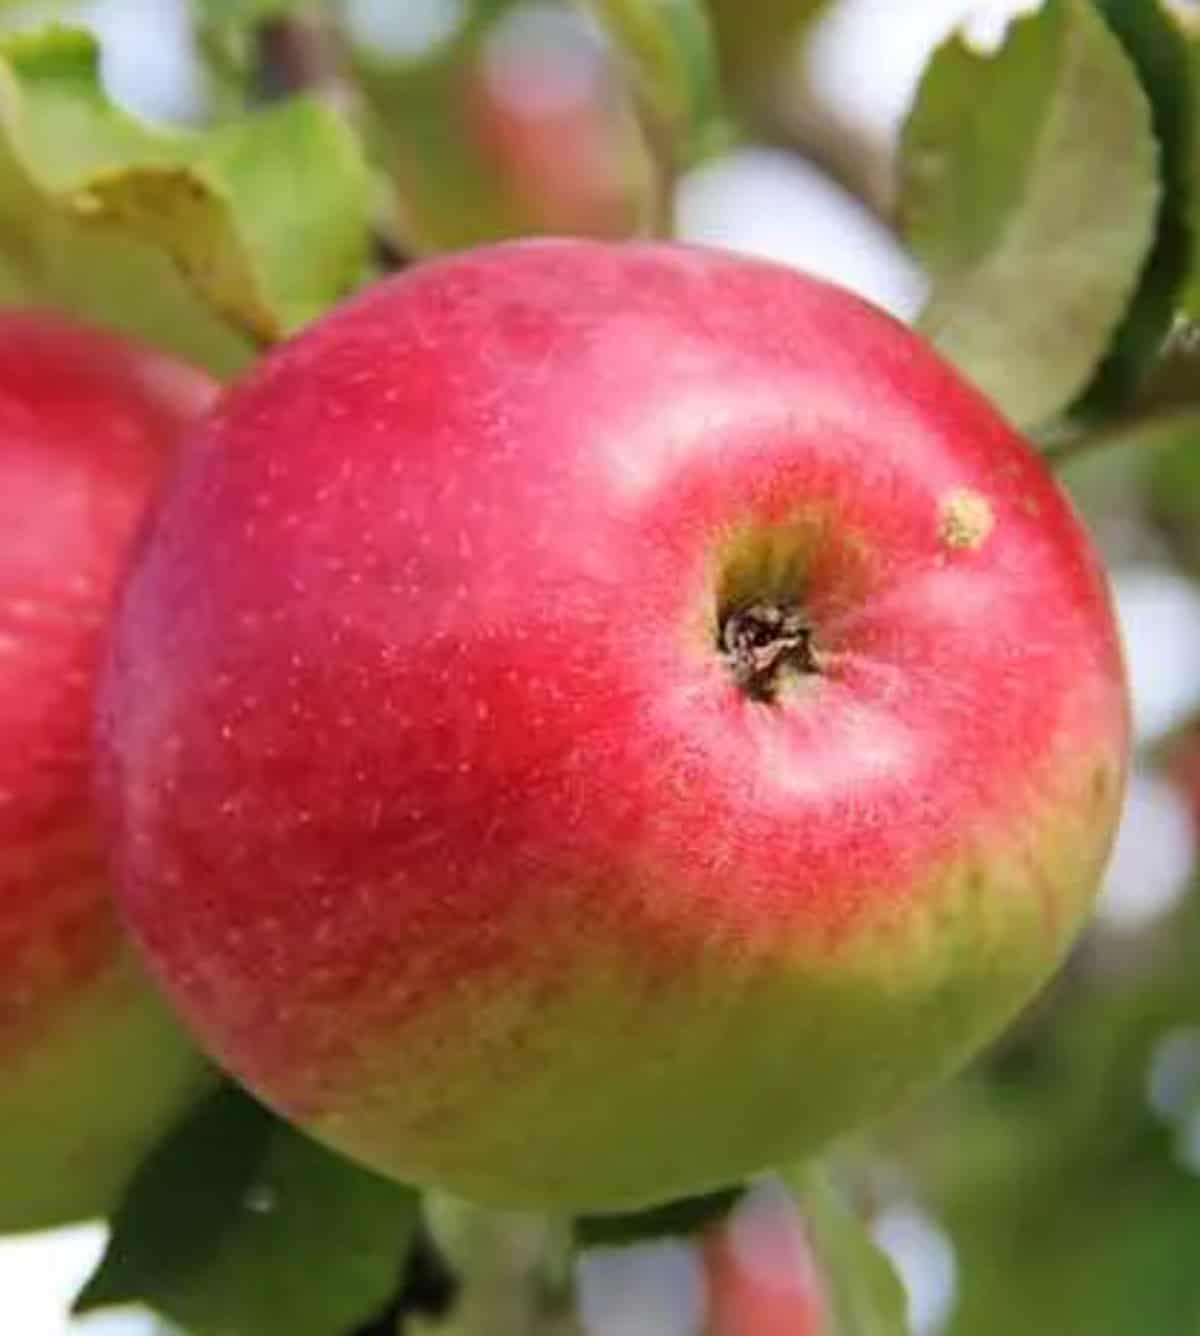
column 91, row 1068
column 590, row 721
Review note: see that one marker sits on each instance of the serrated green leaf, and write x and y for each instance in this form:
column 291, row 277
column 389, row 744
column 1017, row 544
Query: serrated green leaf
column 237, row 1225
column 672, row 57
column 1157, row 45
column 865, row 1295
column 1030, row 190
column 229, row 239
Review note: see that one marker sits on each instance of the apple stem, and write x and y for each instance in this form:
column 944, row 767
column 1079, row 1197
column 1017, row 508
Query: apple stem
column 759, row 641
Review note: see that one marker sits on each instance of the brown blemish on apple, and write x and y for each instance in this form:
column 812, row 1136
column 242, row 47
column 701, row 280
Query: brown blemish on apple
column 965, row 519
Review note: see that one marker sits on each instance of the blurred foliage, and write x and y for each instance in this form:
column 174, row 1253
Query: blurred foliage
column 754, row 37
column 865, row 1296
column 1067, row 1193
column 1174, row 495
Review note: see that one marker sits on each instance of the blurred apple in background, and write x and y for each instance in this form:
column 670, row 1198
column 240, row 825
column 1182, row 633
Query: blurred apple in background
column 501, row 120
column 92, row 1069
column 761, row 1273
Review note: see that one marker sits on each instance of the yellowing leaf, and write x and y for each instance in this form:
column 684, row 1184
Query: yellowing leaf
column 209, row 243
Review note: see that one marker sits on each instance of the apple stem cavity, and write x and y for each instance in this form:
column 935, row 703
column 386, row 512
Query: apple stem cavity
column 762, row 643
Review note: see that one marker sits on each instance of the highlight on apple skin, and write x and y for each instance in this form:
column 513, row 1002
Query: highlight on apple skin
column 91, row 1067
column 591, row 721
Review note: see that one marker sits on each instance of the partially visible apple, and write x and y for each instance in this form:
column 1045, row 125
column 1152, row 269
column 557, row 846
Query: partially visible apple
column 591, row 721
column 761, row 1272
column 558, row 132
column 91, row 1068
column 521, row 125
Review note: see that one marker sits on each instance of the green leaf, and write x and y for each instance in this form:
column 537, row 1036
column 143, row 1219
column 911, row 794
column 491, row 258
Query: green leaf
column 669, row 48
column 237, row 1225
column 867, row 1298
column 1030, row 190
column 1158, row 47
column 229, row 239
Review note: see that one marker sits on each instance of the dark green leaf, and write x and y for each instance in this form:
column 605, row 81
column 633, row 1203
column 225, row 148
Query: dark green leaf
column 237, row 1225
column 1030, row 190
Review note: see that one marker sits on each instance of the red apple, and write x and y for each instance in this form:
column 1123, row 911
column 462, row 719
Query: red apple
column 91, row 1068
column 761, row 1271
column 561, row 139
column 591, row 721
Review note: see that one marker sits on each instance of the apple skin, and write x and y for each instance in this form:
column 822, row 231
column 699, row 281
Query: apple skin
column 447, row 827
column 762, row 1273
column 91, row 1068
